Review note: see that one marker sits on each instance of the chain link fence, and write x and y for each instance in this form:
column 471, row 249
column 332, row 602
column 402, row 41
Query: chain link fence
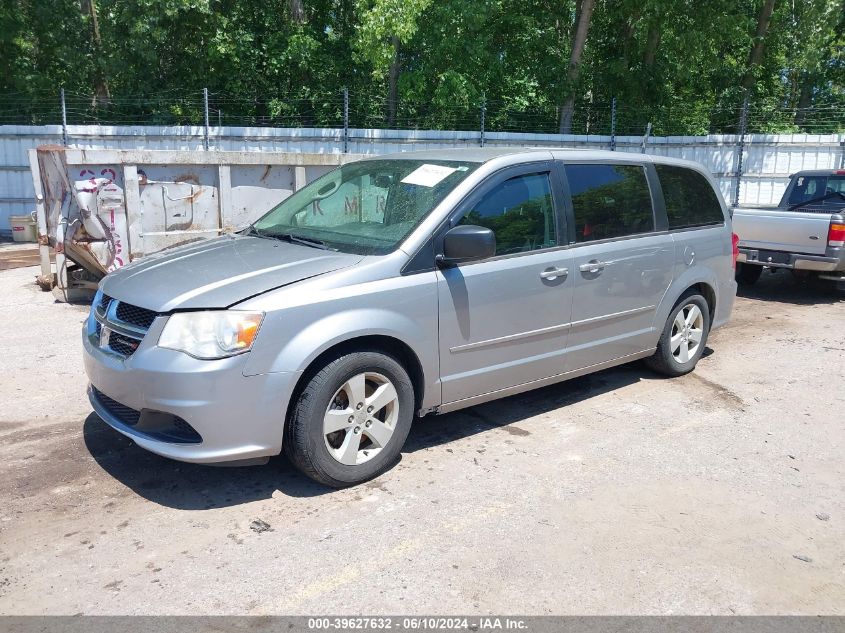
column 349, row 110
column 751, row 150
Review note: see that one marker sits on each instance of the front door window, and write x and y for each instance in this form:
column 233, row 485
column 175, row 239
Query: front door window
column 520, row 212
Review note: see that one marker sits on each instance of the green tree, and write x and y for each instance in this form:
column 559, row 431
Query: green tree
column 539, row 65
column 385, row 27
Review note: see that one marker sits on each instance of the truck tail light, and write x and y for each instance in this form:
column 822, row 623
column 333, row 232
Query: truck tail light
column 836, row 235
column 734, row 249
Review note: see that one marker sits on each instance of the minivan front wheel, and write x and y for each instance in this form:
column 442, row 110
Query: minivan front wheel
column 351, row 419
column 683, row 338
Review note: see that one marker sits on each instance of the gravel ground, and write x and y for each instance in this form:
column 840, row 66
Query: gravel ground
column 619, row 493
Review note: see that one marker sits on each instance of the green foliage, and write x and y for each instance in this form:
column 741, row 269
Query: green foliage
column 380, row 22
column 678, row 64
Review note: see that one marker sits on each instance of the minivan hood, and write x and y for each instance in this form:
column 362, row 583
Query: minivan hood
column 218, row 273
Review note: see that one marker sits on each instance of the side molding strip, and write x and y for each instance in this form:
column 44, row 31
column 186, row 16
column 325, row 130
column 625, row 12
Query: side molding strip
column 503, row 340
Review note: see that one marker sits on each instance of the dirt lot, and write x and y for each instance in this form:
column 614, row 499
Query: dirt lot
column 721, row 492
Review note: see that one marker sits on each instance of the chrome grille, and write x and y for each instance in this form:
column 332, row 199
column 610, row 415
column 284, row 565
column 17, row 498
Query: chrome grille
column 105, row 300
column 140, row 317
column 123, row 345
column 124, row 325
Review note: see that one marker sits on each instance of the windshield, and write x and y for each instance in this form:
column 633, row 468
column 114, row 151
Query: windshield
column 367, row 207
column 809, row 188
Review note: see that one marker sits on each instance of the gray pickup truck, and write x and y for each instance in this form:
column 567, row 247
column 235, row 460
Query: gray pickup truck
column 804, row 233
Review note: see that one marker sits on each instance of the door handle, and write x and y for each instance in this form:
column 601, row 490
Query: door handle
column 593, row 266
column 554, row 273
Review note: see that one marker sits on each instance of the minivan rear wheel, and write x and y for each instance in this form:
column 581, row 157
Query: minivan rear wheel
column 684, row 337
column 351, row 419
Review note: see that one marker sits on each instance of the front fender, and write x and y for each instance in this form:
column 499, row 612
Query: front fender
column 292, row 338
column 320, row 336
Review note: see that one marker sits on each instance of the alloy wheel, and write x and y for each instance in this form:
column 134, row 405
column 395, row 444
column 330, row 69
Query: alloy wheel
column 361, row 418
column 687, row 332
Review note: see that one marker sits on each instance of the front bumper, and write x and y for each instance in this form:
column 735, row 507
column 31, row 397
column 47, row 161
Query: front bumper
column 236, row 417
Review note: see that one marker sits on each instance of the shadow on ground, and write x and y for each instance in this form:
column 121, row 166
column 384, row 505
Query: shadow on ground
column 781, row 286
column 190, row 486
column 508, row 412
column 199, row 487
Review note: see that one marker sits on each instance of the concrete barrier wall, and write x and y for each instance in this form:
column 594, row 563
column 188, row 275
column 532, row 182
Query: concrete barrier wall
column 767, row 162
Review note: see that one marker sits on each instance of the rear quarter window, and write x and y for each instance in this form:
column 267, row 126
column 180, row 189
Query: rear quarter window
column 690, row 199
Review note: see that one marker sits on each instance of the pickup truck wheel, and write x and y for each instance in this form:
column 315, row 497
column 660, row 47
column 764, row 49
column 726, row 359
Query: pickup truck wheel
column 815, row 283
column 747, row 274
column 351, row 419
column 683, row 338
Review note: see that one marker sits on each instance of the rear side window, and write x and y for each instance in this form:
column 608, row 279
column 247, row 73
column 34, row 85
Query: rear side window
column 520, row 212
column 609, row 201
column 690, row 200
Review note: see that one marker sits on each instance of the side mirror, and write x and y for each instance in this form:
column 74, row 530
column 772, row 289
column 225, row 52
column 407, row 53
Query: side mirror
column 467, row 243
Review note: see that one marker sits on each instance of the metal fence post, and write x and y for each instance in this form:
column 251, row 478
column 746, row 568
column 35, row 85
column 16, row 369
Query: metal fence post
column 483, row 117
column 205, row 109
column 645, row 137
column 64, row 119
column 743, row 124
column 345, row 120
column 613, row 124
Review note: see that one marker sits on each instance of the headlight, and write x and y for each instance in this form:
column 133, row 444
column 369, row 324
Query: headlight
column 209, row 335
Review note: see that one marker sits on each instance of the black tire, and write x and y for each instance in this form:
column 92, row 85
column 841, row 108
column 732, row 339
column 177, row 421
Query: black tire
column 747, row 274
column 663, row 361
column 822, row 286
column 304, row 441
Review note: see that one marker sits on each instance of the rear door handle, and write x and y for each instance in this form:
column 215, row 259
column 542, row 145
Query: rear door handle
column 554, row 273
column 593, row 266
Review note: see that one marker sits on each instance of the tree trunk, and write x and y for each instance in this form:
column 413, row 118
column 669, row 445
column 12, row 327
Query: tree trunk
column 652, row 43
column 584, row 12
column 393, row 84
column 805, row 100
column 630, row 31
column 574, row 28
column 297, row 12
column 755, row 57
column 102, row 97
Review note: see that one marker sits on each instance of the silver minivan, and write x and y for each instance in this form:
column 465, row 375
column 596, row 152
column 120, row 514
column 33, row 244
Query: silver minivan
column 404, row 285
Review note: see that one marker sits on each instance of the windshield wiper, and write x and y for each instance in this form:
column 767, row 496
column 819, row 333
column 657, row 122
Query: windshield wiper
column 287, row 237
column 254, row 231
column 305, row 241
column 819, row 199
